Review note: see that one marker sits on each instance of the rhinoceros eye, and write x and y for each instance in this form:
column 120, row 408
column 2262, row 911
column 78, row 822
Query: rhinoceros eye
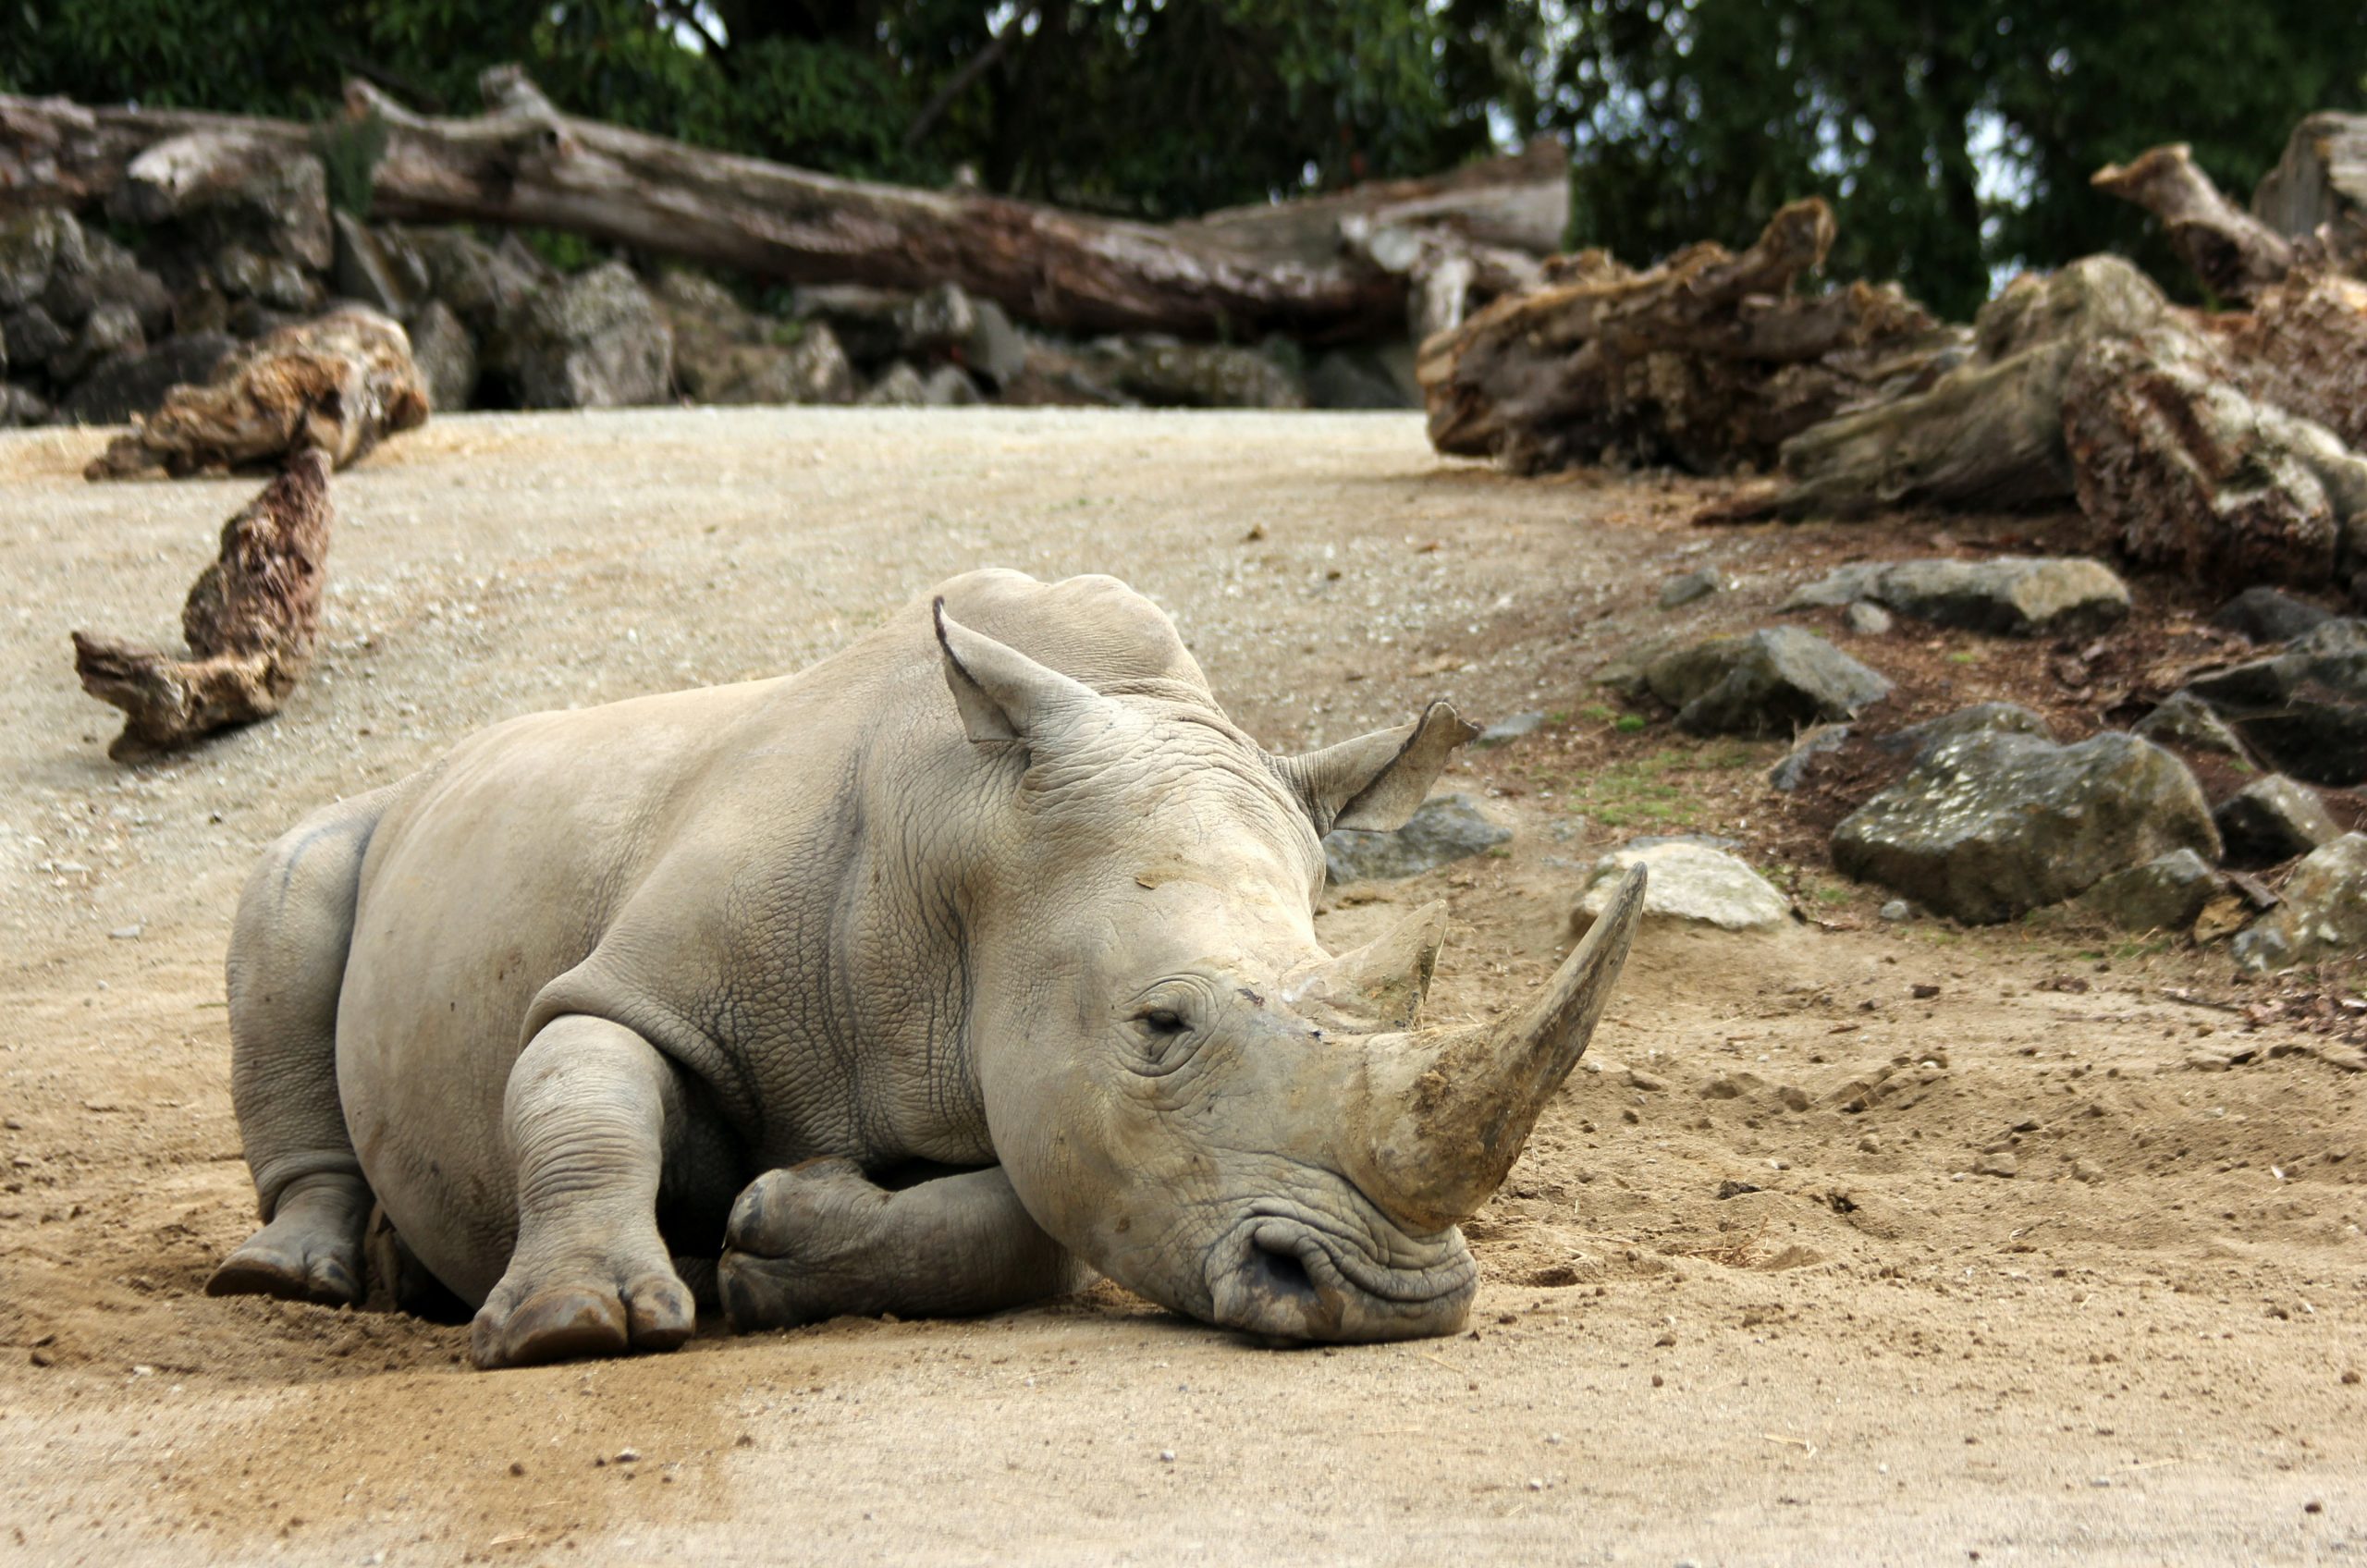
column 1163, row 1021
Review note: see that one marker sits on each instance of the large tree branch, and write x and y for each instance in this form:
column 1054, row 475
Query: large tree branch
column 523, row 163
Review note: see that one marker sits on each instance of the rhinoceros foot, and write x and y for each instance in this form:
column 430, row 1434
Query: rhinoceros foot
column 580, row 1308
column 820, row 1239
column 311, row 1251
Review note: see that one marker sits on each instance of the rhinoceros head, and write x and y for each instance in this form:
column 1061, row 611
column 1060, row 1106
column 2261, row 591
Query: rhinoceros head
column 1182, row 1086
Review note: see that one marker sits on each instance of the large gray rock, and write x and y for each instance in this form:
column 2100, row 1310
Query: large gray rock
column 1691, row 883
column 29, row 246
column 487, row 287
column 899, row 387
column 1981, row 719
column 875, row 325
column 1165, row 373
column 2012, row 595
column 2304, row 711
column 279, row 209
column 995, row 352
column 726, row 353
column 276, row 282
column 446, row 355
column 595, row 342
column 2324, row 913
column 1767, row 682
column 2272, row 819
column 2262, row 614
column 1444, row 829
column 1358, row 378
column 135, row 382
column 389, row 278
column 21, row 406
column 110, row 329
column 34, row 335
column 1989, row 825
column 2187, row 722
column 2164, row 894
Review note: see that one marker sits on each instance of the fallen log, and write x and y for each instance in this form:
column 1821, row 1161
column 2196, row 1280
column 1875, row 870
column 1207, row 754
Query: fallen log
column 1706, row 360
column 525, row 164
column 337, row 385
column 2236, row 255
column 251, row 621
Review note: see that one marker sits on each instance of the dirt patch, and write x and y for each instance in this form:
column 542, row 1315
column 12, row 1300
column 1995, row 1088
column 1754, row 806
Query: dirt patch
column 1750, row 1296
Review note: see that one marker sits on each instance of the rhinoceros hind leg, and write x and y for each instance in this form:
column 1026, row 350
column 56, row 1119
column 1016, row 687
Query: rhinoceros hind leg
column 820, row 1239
column 408, row 1280
column 587, row 1113
column 311, row 1249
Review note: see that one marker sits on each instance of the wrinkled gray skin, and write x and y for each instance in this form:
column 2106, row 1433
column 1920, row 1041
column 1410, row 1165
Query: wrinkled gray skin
column 902, row 984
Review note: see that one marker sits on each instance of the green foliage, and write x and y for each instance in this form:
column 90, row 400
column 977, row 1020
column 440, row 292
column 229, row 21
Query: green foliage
column 1155, row 107
column 349, row 150
column 1696, row 119
column 1953, row 138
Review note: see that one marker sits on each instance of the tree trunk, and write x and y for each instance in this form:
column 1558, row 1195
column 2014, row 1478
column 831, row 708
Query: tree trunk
column 2236, row 255
column 1233, row 274
column 337, row 385
column 251, row 619
column 1705, row 361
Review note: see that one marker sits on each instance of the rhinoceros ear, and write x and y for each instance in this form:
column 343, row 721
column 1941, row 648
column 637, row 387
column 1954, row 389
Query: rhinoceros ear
column 1003, row 695
column 1376, row 780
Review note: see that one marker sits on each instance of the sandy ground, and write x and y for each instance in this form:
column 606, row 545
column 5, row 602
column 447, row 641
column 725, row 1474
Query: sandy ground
column 2145, row 1346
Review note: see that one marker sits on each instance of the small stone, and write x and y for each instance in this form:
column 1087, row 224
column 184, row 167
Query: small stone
column 1443, row 829
column 2087, row 1171
column 2167, row 893
column 2349, row 1375
column 1639, row 1079
column 1996, row 1165
column 1895, row 910
column 1793, row 770
column 2186, row 723
column 2303, row 711
column 1690, row 883
column 517, row 1467
column 1511, row 728
column 125, row 934
column 2272, row 819
column 1167, row 1456
column 2012, row 595
column 628, row 1456
column 1687, row 587
column 1769, row 682
column 1868, row 618
column 2323, row 912
column 1870, row 1144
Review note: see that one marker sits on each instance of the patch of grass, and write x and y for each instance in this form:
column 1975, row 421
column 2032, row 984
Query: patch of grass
column 1630, row 723
column 1965, row 655
column 1637, row 793
column 1561, row 716
column 1601, row 713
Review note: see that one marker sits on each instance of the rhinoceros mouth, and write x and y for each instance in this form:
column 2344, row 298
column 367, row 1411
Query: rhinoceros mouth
column 1292, row 1276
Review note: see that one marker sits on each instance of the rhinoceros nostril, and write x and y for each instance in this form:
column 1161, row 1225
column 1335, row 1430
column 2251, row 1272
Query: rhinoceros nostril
column 1277, row 1270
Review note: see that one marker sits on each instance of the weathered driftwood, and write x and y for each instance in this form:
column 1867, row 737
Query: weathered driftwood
column 2322, row 178
column 2236, row 255
column 2180, row 469
column 2089, row 384
column 1989, row 432
column 252, row 619
column 523, row 163
column 337, row 384
column 2303, row 348
column 1706, row 360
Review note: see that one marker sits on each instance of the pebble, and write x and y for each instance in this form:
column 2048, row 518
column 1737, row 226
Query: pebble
column 125, row 934
column 1868, row 618
column 628, row 1455
column 1639, row 1078
column 1167, row 1456
column 1897, row 909
column 1687, row 587
column 1996, row 1165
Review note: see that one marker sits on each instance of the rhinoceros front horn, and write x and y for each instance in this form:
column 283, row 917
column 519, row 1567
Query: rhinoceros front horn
column 1444, row 1115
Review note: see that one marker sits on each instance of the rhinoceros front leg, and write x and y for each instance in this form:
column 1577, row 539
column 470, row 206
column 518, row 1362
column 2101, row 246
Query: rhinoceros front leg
column 587, row 1111
column 820, row 1239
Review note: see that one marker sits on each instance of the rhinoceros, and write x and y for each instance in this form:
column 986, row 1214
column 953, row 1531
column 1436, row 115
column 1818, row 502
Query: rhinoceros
column 975, row 955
